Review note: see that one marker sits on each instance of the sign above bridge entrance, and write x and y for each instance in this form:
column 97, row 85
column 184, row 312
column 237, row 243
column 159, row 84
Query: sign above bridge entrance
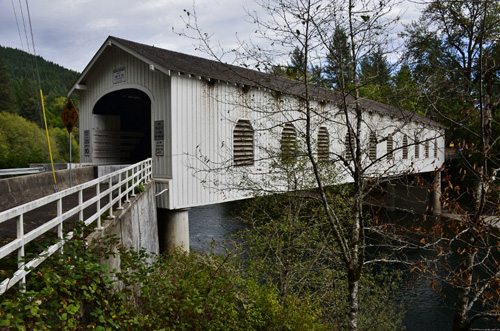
column 69, row 115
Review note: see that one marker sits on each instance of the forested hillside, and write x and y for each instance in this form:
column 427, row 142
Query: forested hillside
column 21, row 65
column 21, row 112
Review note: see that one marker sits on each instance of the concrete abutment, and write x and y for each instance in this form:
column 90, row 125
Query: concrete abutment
column 140, row 225
column 173, row 227
column 135, row 226
column 435, row 200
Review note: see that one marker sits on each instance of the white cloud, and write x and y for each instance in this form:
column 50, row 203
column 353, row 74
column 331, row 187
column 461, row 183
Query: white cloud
column 108, row 23
column 70, row 32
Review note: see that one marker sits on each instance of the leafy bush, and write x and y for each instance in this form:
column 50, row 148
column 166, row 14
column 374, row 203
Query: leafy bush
column 288, row 243
column 206, row 292
column 74, row 290
column 59, row 137
column 21, row 142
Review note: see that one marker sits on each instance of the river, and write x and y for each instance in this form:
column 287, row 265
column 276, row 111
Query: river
column 425, row 308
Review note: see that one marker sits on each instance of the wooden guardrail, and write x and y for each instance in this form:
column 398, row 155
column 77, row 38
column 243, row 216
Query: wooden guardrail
column 120, row 185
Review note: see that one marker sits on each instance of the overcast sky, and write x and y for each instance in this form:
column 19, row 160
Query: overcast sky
column 69, row 32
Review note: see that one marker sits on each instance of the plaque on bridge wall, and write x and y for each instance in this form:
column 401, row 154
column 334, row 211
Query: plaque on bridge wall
column 119, row 75
column 86, row 143
column 159, row 138
column 159, row 130
column 159, row 148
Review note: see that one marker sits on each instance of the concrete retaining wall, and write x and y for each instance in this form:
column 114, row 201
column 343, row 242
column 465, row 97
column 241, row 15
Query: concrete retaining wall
column 18, row 190
column 136, row 225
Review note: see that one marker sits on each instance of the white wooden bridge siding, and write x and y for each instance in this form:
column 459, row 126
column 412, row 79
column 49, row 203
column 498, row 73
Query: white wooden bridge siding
column 199, row 118
column 138, row 76
column 205, row 115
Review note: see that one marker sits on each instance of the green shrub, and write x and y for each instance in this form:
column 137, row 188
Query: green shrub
column 74, row 290
column 139, row 189
column 288, row 243
column 67, row 290
column 21, row 142
column 206, row 292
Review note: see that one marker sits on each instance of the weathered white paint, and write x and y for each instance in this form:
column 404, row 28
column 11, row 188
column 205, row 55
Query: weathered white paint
column 200, row 115
column 212, row 119
column 99, row 82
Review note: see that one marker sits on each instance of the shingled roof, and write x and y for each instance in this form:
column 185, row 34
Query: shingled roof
column 175, row 62
column 218, row 71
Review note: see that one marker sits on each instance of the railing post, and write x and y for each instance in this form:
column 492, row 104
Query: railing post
column 150, row 171
column 80, row 202
column 98, row 209
column 20, row 251
column 126, row 185
column 60, row 225
column 134, row 170
column 143, row 169
column 139, row 173
column 120, row 178
column 110, row 183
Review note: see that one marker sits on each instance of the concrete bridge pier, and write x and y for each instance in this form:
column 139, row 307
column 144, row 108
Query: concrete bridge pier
column 436, row 194
column 173, row 226
column 416, row 193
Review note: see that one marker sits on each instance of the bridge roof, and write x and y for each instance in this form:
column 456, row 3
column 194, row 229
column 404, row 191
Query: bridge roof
column 171, row 62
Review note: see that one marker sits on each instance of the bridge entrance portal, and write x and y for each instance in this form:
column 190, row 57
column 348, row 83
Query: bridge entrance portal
column 122, row 127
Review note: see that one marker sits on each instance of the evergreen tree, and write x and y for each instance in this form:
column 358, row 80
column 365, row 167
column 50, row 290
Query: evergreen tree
column 404, row 91
column 299, row 70
column 28, row 101
column 338, row 70
column 443, row 49
column 7, row 101
column 297, row 63
column 21, row 65
column 375, row 69
column 375, row 77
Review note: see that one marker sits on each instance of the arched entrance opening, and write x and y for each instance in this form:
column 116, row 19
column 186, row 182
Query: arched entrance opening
column 122, row 124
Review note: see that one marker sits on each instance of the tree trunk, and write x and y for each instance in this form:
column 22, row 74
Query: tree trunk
column 353, row 279
column 460, row 320
column 460, row 323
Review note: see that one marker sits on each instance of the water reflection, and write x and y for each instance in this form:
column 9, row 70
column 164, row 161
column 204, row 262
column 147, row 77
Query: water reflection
column 212, row 223
column 426, row 310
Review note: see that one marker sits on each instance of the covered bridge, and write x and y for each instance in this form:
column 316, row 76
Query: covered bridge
column 210, row 127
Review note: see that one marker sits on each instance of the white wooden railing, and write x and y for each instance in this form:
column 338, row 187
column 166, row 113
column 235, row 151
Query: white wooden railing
column 119, row 185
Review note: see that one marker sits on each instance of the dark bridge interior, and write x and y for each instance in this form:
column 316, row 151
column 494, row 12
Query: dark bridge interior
column 128, row 139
